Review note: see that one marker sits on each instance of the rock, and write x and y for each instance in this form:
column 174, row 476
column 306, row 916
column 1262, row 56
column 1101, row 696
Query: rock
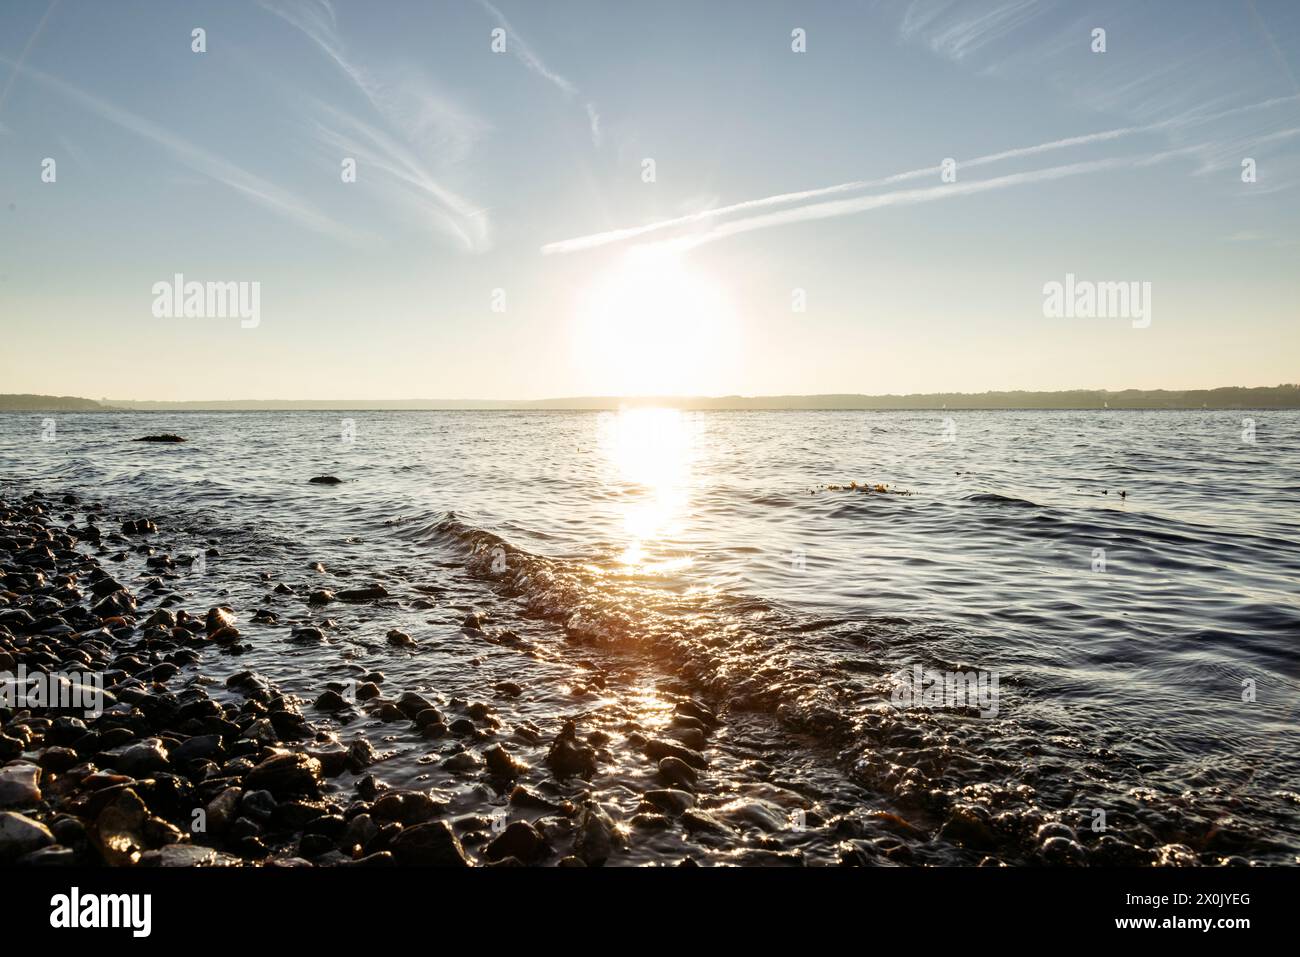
column 429, row 845
column 481, row 711
column 526, row 798
column 1176, row 855
column 763, row 815
column 117, row 831
column 568, row 756
column 325, row 480
column 167, row 437
column 697, row 711
column 657, row 748
column 219, row 619
column 595, row 840
column 1054, row 829
column 330, row 701
column 106, row 586
column 1061, row 851
column 463, row 761
column 114, row 605
column 519, row 840
column 696, row 820
column 371, row 593
column 400, row 639
column 199, row 747
column 21, row 835
column 139, row 759
column 427, row 717
column 969, row 826
column 501, row 763
column 258, row 805
column 692, row 738
column 18, row 785
column 406, row 807
column 411, row 704
column 161, row 618
column 262, row 731
column 360, row 755
column 187, row 855
column 53, row 856
column 670, row 801
column 58, row 759
column 360, row 831
column 650, row 822
column 286, row 775
column 222, row 810
column 677, row 773
column 321, row 596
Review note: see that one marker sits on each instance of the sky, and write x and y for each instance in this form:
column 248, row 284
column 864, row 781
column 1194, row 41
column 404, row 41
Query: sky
column 584, row 198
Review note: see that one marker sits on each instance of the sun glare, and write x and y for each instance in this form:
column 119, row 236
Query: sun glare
column 654, row 326
column 650, row 451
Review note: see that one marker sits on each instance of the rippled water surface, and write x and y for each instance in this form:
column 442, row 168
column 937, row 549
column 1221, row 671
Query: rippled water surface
column 1129, row 578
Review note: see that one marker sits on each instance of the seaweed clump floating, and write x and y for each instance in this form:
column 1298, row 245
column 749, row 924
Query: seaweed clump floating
column 879, row 488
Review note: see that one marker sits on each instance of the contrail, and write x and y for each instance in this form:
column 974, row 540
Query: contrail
column 861, row 204
column 595, row 240
column 219, row 169
column 22, row 57
column 525, row 55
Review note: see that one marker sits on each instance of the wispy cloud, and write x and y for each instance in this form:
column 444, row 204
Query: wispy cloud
column 22, row 57
column 1221, row 56
column 805, row 196
column 254, row 187
column 434, row 127
column 958, row 29
column 516, row 44
column 409, row 189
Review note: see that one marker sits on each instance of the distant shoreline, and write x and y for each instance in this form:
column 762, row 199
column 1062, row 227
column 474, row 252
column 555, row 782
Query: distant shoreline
column 1231, row 398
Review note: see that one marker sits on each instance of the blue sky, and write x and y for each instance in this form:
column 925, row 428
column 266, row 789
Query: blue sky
column 505, row 178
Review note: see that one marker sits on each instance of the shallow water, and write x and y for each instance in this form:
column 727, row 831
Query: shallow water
column 643, row 556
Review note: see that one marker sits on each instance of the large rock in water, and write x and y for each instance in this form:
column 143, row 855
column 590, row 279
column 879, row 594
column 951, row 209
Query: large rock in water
column 568, row 756
column 370, row 593
column 430, row 845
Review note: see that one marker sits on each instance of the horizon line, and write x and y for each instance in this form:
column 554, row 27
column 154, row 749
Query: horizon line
column 1283, row 395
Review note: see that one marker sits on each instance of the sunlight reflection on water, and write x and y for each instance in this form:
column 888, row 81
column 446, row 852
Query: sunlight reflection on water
column 650, row 452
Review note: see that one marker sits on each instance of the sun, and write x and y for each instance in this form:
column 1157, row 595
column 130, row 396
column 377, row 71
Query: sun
column 652, row 325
